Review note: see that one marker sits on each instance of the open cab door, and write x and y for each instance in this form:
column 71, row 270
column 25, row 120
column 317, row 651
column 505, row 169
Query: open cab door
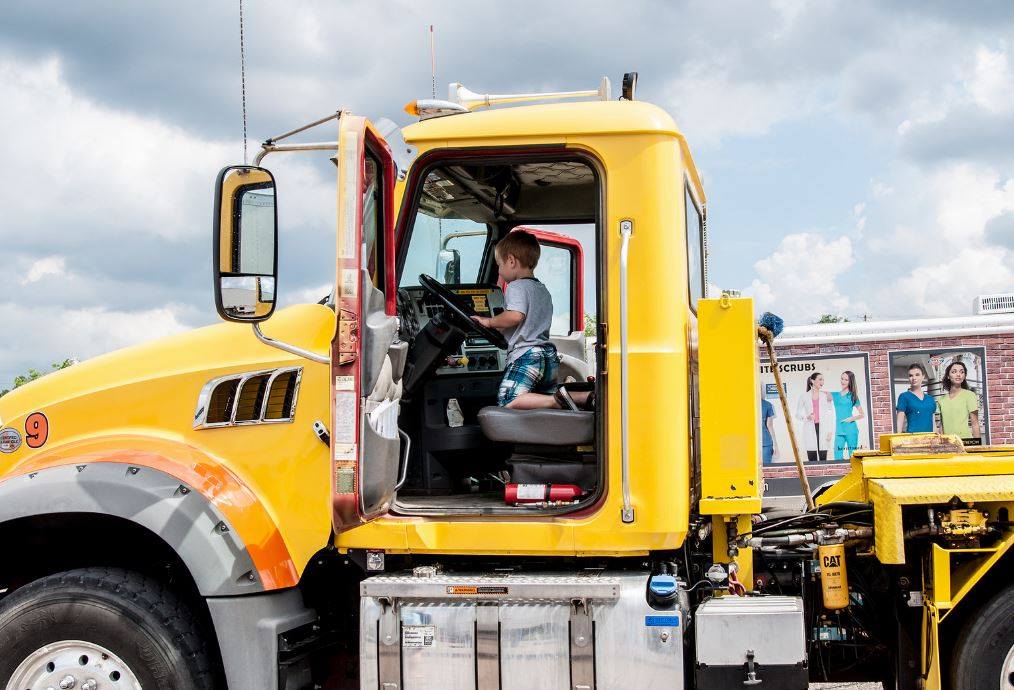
column 367, row 357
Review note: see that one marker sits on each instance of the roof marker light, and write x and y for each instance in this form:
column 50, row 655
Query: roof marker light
column 425, row 108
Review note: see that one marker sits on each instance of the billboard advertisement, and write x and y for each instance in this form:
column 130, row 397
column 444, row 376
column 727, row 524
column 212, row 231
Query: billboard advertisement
column 829, row 409
column 943, row 390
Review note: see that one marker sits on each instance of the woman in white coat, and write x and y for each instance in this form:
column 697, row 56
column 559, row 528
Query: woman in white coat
column 815, row 416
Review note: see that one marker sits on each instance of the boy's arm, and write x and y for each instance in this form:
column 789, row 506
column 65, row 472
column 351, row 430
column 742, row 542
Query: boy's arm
column 505, row 319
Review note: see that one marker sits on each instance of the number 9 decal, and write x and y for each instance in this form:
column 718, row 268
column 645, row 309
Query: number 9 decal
column 36, row 430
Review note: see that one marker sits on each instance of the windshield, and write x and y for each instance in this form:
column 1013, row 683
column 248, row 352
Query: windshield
column 444, row 243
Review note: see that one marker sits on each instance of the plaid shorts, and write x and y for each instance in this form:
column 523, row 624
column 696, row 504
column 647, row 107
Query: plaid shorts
column 532, row 372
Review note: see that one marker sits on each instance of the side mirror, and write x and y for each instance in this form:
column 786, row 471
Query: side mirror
column 449, row 266
column 245, row 260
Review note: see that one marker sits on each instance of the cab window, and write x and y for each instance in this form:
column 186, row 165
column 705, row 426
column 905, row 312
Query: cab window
column 445, row 242
column 695, row 248
column 555, row 270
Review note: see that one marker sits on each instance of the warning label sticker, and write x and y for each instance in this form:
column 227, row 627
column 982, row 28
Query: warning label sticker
column 473, row 590
column 417, row 635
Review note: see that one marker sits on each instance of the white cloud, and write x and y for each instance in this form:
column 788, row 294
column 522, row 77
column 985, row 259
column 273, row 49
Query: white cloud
column 798, row 281
column 948, row 287
column 46, row 266
column 74, row 160
column 41, row 335
column 102, row 185
column 306, row 295
column 938, row 253
column 991, row 84
column 709, row 104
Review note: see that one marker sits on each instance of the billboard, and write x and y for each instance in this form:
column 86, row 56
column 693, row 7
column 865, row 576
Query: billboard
column 829, row 409
column 943, row 390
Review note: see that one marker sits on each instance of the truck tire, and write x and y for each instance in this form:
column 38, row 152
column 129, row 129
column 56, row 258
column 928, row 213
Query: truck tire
column 984, row 655
column 101, row 628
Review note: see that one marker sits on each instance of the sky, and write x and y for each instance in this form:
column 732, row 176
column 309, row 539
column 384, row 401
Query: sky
column 858, row 156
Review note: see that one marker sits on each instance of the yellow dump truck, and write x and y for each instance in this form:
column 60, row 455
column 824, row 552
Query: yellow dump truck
column 329, row 496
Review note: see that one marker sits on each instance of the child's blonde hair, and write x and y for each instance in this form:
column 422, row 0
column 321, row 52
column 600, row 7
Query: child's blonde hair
column 520, row 244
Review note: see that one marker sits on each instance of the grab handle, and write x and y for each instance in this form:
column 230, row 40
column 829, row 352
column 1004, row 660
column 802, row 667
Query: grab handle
column 627, row 512
column 403, row 475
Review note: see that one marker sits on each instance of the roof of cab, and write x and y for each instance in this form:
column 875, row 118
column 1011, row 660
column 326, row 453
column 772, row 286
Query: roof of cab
column 554, row 119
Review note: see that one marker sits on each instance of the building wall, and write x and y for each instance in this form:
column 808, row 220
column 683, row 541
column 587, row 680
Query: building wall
column 999, row 376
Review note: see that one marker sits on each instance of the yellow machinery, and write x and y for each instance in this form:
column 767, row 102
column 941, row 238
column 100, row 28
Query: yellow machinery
column 313, row 498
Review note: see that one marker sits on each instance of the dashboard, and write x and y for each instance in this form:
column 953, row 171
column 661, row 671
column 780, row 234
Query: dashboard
column 476, row 354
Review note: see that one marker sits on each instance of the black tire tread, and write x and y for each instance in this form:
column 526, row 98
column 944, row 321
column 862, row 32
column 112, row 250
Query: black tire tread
column 143, row 593
column 995, row 617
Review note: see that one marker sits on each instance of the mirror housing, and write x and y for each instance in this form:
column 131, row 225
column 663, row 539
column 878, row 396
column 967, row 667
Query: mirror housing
column 449, row 266
column 245, row 251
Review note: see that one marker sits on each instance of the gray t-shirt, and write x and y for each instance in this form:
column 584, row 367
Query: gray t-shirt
column 531, row 298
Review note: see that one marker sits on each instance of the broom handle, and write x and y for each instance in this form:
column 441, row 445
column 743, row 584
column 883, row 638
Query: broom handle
column 768, row 340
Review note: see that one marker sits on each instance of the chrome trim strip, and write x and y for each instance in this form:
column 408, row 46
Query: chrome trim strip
column 244, row 379
column 582, row 646
column 291, row 349
column 204, row 398
column 627, row 512
column 487, row 647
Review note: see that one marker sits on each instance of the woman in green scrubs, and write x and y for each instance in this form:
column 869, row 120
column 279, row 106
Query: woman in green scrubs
column 959, row 405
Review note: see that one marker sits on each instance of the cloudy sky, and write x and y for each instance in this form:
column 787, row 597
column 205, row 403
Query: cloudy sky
column 858, row 156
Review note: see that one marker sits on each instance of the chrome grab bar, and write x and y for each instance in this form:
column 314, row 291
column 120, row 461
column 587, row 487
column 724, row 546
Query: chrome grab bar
column 292, row 349
column 627, row 512
column 403, row 475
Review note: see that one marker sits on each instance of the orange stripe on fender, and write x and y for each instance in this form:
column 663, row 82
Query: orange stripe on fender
column 204, row 474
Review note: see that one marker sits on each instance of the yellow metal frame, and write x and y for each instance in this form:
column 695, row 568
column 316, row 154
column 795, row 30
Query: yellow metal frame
column 983, row 477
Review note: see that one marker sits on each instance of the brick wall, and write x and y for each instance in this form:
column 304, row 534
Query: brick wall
column 999, row 376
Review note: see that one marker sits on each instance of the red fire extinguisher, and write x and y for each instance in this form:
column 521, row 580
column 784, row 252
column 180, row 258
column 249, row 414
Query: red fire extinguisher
column 515, row 494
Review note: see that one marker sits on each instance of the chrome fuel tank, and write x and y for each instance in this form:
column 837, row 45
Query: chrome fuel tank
column 591, row 631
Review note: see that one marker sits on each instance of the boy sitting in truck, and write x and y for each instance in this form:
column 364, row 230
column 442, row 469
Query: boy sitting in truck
column 529, row 377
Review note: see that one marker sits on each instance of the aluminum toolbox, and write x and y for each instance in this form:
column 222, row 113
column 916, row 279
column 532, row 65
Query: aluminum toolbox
column 739, row 635
column 517, row 632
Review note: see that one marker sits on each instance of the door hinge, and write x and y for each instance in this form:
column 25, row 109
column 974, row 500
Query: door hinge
column 348, row 336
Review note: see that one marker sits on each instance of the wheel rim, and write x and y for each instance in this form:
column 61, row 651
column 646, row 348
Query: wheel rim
column 1007, row 671
column 73, row 664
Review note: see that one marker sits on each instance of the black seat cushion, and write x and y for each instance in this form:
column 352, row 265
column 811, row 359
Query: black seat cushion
column 530, row 469
column 538, row 427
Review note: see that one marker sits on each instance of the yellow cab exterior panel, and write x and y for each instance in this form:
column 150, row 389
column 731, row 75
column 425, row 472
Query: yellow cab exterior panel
column 729, row 380
column 137, row 406
column 629, row 142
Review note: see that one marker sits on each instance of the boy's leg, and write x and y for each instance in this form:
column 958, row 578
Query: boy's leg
column 533, row 401
column 529, row 381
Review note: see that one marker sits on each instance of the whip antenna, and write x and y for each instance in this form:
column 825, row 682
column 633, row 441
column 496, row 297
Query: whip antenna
column 242, row 76
column 433, row 63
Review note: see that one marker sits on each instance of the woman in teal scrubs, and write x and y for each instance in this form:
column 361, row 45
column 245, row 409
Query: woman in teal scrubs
column 847, row 409
column 916, row 408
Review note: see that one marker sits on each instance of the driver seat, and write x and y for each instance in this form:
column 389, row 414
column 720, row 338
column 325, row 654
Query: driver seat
column 538, row 427
column 550, row 446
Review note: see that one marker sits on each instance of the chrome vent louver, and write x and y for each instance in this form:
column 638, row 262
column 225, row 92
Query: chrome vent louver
column 256, row 397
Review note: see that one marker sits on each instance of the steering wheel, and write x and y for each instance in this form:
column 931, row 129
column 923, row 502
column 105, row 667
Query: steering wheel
column 452, row 303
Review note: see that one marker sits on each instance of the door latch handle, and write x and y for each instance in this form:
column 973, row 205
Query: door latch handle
column 322, row 433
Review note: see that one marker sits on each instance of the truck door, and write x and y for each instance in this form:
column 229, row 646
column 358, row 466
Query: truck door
column 561, row 270
column 367, row 357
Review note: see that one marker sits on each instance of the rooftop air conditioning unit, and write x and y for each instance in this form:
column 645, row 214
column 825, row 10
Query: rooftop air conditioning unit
column 995, row 304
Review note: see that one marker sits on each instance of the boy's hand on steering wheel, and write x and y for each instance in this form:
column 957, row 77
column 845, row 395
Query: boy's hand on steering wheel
column 481, row 320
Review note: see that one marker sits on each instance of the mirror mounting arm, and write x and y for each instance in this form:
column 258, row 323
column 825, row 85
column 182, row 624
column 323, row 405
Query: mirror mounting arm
column 271, row 145
column 291, row 349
